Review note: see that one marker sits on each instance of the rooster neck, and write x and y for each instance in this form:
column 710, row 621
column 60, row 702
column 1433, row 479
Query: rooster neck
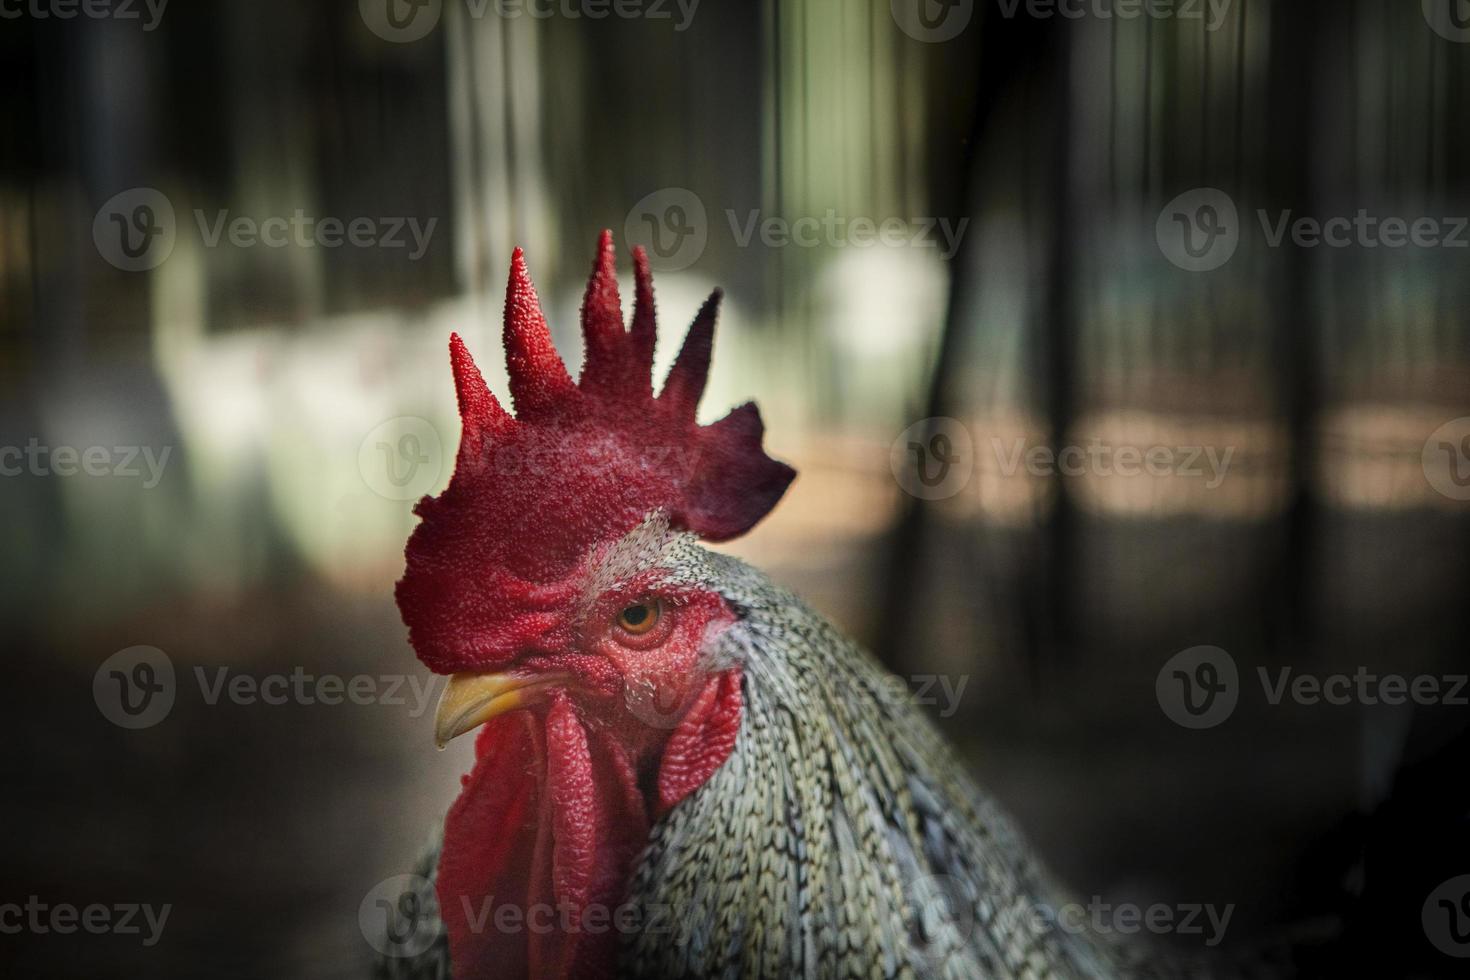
column 841, row 833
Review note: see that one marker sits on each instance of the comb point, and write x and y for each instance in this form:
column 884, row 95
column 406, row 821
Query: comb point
column 538, row 378
column 685, row 384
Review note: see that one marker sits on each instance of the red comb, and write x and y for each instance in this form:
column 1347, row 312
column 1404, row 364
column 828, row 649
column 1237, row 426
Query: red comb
column 578, row 464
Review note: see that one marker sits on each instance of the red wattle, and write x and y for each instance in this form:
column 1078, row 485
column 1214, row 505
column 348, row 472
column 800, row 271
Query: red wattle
column 702, row 741
column 489, row 843
column 549, row 823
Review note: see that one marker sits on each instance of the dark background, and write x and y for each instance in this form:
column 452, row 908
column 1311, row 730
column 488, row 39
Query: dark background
column 272, row 540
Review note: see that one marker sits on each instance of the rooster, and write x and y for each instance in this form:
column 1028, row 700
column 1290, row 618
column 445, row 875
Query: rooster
column 681, row 769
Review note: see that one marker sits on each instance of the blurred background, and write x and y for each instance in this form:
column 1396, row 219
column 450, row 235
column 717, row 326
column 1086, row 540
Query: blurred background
column 958, row 239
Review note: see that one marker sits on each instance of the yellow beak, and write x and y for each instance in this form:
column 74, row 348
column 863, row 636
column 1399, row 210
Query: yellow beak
column 470, row 700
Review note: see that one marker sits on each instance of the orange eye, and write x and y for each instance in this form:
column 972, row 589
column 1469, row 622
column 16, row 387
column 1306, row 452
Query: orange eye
column 640, row 617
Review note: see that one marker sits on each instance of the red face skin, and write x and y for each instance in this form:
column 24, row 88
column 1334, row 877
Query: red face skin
column 539, row 846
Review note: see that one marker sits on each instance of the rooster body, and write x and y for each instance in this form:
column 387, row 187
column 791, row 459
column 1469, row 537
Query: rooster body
column 694, row 768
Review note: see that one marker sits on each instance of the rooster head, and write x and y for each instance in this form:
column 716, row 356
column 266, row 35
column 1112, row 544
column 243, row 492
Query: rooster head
column 539, row 580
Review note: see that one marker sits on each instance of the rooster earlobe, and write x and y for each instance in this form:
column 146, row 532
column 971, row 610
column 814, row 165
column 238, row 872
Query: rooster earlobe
column 481, row 416
column 703, row 740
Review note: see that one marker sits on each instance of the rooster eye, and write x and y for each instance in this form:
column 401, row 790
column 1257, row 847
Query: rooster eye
column 640, row 617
